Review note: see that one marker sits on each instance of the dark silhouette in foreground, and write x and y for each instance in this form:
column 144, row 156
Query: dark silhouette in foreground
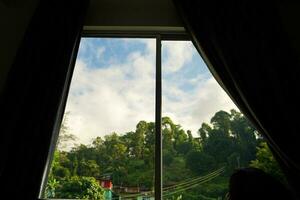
column 253, row 184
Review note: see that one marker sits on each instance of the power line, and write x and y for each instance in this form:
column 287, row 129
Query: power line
column 194, row 179
column 184, row 185
column 194, row 185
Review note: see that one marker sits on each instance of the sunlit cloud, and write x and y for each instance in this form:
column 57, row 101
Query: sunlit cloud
column 176, row 54
column 113, row 87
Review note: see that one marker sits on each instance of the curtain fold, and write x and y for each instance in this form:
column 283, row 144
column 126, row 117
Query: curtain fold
column 247, row 50
column 33, row 94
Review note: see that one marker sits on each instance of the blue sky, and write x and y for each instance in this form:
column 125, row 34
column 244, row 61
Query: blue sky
column 112, row 88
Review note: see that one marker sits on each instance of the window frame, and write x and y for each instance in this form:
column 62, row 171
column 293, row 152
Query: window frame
column 177, row 34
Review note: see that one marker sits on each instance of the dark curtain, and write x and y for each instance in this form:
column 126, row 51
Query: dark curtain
column 34, row 93
column 248, row 51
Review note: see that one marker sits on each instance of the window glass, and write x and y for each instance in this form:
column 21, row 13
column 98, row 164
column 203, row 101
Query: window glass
column 106, row 142
column 205, row 136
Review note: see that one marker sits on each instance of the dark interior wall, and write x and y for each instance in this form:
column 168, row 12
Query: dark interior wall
column 16, row 14
column 14, row 18
column 132, row 13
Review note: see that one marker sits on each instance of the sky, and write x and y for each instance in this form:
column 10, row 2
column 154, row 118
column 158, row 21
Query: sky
column 113, row 87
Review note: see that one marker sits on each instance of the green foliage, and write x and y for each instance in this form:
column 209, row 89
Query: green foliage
column 176, row 171
column 200, row 162
column 88, row 168
column 213, row 189
column 230, row 140
column 221, row 121
column 51, row 186
column 204, row 131
column 77, row 187
column 266, row 162
column 65, row 137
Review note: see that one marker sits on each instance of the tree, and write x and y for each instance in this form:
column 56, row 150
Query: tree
column 60, row 166
column 65, row 138
column 168, row 134
column 230, row 141
column 221, row 120
column 204, row 131
column 78, row 187
column 51, row 186
column 181, row 144
column 245, row 135
column 200, row 162
column 88, row 168
column 139, row 139
column 266, row 162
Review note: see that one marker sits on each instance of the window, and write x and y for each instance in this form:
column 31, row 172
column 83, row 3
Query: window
column 145, row 119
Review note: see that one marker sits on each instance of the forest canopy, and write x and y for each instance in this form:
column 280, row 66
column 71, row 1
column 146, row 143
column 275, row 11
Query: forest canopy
column 228, row 141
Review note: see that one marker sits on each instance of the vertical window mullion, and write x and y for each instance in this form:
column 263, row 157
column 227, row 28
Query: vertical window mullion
column 158, row 135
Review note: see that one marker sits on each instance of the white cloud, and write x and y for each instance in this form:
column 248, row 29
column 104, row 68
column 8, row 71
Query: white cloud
column 113, row 98
column 193, row 108
column 118, row 96
column 176, row 55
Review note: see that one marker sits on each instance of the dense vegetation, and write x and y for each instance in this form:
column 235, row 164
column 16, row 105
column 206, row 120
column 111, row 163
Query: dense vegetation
column 229, row 141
